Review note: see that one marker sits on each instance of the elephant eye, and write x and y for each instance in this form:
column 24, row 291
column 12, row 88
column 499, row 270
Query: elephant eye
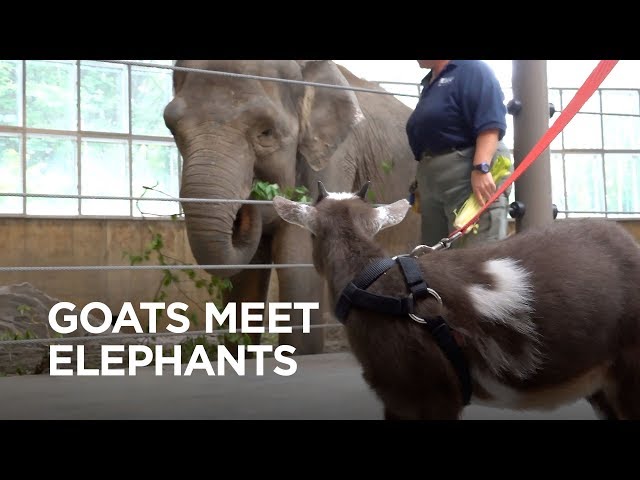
column 267, row 138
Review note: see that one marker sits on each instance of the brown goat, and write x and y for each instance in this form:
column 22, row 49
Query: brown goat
column 544, row 317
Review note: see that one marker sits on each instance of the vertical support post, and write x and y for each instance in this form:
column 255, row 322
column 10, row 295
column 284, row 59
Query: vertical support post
column 530, row 122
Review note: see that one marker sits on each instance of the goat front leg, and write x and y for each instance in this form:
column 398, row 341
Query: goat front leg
column 625, row 392
column 390, row 415
column 602, row 406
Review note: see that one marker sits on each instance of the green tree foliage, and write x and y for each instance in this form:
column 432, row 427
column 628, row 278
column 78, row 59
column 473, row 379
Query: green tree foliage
column 51, row 103
column 157, row 165
column 51, row 95
column 10, row 173
column 104, row 97
column 9, row 91
column 151, row 91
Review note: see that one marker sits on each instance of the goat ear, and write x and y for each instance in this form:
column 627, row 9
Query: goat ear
column 296, row 213
column 363, row 191
column 390, row 215
column 322, row 192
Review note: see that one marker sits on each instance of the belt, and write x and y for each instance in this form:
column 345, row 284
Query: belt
column 432, row 153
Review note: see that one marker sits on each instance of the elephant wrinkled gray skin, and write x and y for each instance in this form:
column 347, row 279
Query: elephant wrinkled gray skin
column 231, row 131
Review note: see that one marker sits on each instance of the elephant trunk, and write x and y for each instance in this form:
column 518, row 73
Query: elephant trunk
column 220, row 233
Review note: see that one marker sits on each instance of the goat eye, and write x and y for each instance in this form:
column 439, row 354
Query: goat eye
column 266, row 133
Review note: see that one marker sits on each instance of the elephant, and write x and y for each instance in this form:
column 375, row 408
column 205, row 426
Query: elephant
column 231, row 131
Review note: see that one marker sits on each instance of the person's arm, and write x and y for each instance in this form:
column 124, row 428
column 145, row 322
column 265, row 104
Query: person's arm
column 484, row 108
column 482, row 183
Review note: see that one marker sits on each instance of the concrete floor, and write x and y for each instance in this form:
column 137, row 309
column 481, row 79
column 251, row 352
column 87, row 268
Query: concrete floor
column 325, row 386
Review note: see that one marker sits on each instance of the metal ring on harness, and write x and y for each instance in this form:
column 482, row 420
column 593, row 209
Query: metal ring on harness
column 434, row 294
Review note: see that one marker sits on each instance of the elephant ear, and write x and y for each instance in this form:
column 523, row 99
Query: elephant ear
column 327, row 115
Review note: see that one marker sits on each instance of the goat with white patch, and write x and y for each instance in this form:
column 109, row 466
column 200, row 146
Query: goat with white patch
column 542, row 318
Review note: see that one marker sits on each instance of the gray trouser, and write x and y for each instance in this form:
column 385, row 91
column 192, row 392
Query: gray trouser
column 444, row 184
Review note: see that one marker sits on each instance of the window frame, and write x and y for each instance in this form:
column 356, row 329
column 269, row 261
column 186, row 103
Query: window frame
column 79, row 135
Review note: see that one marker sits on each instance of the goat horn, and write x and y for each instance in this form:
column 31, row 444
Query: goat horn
column 322, row 192
column 363, row 190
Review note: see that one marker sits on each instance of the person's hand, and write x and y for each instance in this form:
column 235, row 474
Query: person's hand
column 483, row 186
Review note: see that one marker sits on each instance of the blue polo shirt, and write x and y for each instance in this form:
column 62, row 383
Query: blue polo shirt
column 465, row 100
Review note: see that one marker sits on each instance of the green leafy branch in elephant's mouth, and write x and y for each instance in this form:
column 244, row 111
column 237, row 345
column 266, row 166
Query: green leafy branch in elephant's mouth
column 267, row 191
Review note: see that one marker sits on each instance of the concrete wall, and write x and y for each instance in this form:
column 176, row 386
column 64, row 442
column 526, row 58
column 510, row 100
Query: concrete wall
column 85, row 241
column 633, row 227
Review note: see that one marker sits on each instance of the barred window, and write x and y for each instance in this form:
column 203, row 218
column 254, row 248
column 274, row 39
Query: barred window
column 85, row 128
column 600, row 156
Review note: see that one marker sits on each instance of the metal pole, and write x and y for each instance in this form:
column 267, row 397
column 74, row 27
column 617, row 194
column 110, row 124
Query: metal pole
column 530, row 122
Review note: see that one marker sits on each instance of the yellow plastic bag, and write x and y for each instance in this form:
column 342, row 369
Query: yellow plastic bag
column 500, row 169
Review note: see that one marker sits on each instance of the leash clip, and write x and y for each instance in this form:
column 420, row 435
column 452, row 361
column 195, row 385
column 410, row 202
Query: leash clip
column 443, row 244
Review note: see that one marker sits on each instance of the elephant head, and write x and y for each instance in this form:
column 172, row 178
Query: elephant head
column 231, row 130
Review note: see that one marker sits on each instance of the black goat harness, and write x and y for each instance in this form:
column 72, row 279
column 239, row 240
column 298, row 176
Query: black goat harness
column 355, row 294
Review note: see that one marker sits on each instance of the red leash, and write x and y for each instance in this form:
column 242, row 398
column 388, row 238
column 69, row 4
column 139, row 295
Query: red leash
column 584, row 93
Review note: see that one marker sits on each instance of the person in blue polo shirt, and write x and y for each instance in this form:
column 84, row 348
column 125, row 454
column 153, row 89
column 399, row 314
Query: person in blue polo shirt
column 456, row 132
